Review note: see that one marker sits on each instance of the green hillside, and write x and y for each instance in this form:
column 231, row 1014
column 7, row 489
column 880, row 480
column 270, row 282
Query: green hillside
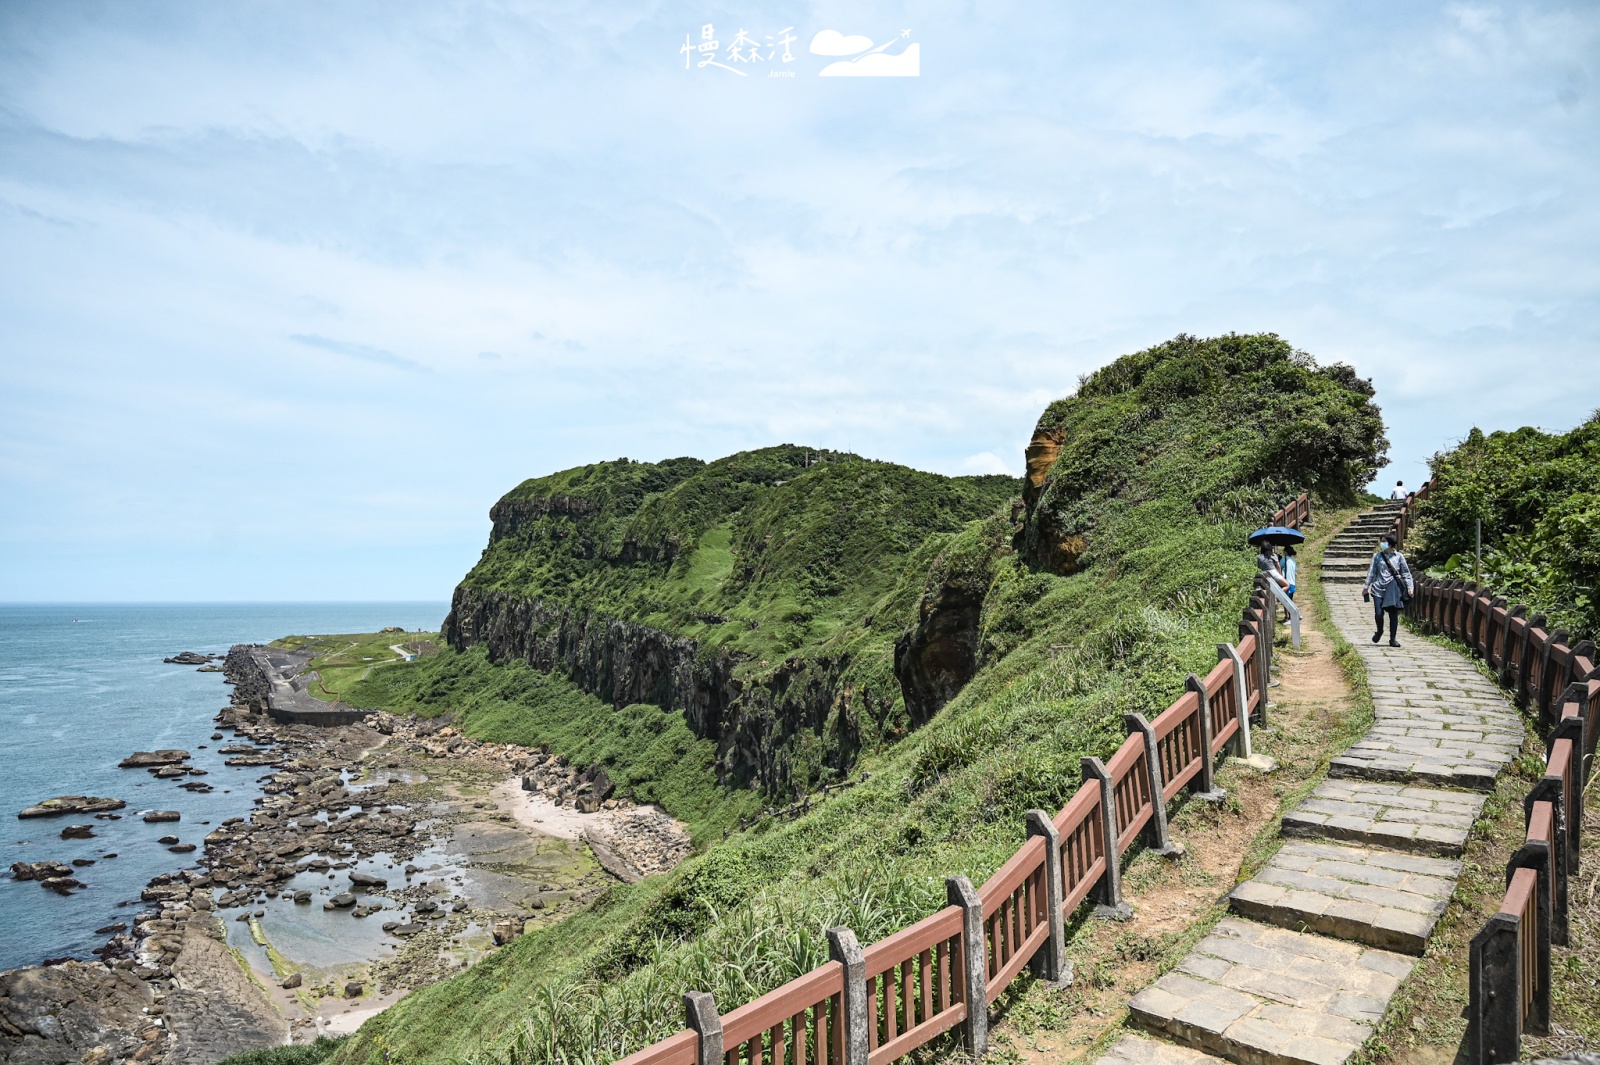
column 1119, row 571
column 1537, row 497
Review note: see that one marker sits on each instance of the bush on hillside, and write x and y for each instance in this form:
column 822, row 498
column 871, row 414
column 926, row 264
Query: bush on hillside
column 1538, row 497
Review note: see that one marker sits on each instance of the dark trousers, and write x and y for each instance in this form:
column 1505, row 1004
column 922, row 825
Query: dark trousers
column 1378, row 610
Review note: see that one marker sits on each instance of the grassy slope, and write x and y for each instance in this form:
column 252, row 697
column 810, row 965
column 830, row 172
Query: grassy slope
column 1163, row 482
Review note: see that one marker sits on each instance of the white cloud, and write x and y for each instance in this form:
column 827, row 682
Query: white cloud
column 907, row 64
column 832, row 42
column 989, row 462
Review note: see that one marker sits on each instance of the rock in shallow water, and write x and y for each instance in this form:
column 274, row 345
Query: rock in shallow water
column 158, row 816
column 77, row 832
column 152, row 759
column 72, row 804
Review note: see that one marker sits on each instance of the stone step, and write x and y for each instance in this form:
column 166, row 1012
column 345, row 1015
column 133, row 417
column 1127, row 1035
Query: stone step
column 1342, row 577
column 1428, row 821
column 1260, row 995
column 1137, row 1050
column 1361, row 894
column 1406, row 750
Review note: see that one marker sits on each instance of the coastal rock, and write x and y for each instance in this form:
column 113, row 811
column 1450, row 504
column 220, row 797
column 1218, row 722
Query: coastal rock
column 367, row 880
column 158, row 816
column 188, row 658
column 182, row 848
column 71, row 804
column 150, row 759
column 39, row 870
column 167, row 840
column 61, row 885
column 77, row 832
column 167, row 772
column 353, row 989
column 341, row 901
column 290, row 982
column 69, row 1012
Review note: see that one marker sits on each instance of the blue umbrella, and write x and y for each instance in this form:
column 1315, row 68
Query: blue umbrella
column 1278, row 536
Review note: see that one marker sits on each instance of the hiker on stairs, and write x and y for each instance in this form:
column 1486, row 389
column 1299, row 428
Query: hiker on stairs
column 1388, row 586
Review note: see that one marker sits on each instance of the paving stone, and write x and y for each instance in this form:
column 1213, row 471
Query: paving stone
column 1424, row 820
column 1138, row 1050
column 1254, row 993
column 1362, row 894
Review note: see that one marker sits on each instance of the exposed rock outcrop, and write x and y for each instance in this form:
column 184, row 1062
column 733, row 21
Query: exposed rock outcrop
column 72, row 804
column 624, row 663
column 935, row 660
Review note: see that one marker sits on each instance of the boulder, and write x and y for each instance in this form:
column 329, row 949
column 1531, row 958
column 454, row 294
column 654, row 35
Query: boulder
column 302, row 896
column 71, row 804
column 188, row 658
column 39, row 870
column 367, row 880
column 342, row 900
column 182, row 848
column 152, row 759
column 77, row 832
column 153, row 817
column 352, row 989
column 290, row 982
column 167, row 772
column 167, row 841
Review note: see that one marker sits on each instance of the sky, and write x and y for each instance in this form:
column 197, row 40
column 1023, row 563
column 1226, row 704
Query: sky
column 291, row 292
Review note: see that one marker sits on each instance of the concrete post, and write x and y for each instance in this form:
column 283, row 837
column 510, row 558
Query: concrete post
column 1111, row 907
column 974, row 964
column 701, row 1013
column 1241, row 693
column 844, row 948
column 1156, row 836
column 1049, row 962
column 1205, row 785
column 1494, row 996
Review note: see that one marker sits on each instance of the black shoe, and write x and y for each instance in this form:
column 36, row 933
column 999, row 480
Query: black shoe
column 1394, row 643
column 1377, row 636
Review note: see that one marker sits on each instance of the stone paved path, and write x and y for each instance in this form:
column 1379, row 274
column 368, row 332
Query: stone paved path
column 1337, row 916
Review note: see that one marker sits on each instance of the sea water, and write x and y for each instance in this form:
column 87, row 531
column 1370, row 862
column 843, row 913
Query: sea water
column 84, row 686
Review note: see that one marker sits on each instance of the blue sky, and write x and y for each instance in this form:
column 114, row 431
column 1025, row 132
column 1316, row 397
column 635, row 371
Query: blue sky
column 292, row 292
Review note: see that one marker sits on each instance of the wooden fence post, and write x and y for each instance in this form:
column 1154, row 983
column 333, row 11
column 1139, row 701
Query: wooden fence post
column 1241, row 738
column 1511, row 657
column 1204, row 786
column 1156, row 837
column 1535, row 855
column 1550, row 789
column 1111, row 906
column 1524, row 659
column 1049, row 962
column 1494, row 998
column 701, row 1013
column 974, row 964
column 844, row 948
column 1548, row 704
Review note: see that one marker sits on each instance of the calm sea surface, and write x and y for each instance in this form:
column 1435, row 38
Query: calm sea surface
column 82, row 687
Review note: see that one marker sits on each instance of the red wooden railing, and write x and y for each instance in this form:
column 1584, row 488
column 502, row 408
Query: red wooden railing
column 1558, row 682
column 913, row 978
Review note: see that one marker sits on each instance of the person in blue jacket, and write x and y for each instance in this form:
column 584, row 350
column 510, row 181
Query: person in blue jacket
column 1291, row 571
column 1388, row 586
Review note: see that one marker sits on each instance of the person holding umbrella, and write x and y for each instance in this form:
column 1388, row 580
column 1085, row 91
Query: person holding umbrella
column 1267, row 559
column 1388, row 586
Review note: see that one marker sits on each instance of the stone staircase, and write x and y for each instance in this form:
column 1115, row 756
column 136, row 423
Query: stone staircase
column 1326, row 932
column 1350, row 552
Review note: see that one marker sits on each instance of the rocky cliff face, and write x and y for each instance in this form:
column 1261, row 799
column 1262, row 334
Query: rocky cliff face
column 934, row 661
column 757, row 725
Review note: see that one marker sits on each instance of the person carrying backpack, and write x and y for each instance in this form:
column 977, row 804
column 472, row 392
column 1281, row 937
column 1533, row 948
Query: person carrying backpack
column 1388, row 586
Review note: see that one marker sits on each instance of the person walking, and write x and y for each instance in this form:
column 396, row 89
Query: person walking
column 1388, row 586
column 1291, row 570
column 1267, row 562
column 1399, row 491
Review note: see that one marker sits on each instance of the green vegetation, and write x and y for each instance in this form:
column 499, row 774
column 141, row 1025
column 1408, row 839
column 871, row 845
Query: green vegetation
column 345, row 659
column 1163, row 466
column 304, row 1054
column 1538, row 497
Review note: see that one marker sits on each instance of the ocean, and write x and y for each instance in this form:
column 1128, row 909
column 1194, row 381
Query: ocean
column 82, row 687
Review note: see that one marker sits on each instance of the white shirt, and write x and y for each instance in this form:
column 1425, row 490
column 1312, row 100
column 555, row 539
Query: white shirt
column 1399, row 492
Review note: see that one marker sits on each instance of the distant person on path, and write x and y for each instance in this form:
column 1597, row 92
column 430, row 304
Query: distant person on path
column 1291, row 570
column 1399, row 490
column 1388, row 585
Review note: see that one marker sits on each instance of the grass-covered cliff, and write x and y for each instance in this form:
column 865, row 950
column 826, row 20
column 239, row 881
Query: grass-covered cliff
column 1537, row 497
column 1117, row 572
